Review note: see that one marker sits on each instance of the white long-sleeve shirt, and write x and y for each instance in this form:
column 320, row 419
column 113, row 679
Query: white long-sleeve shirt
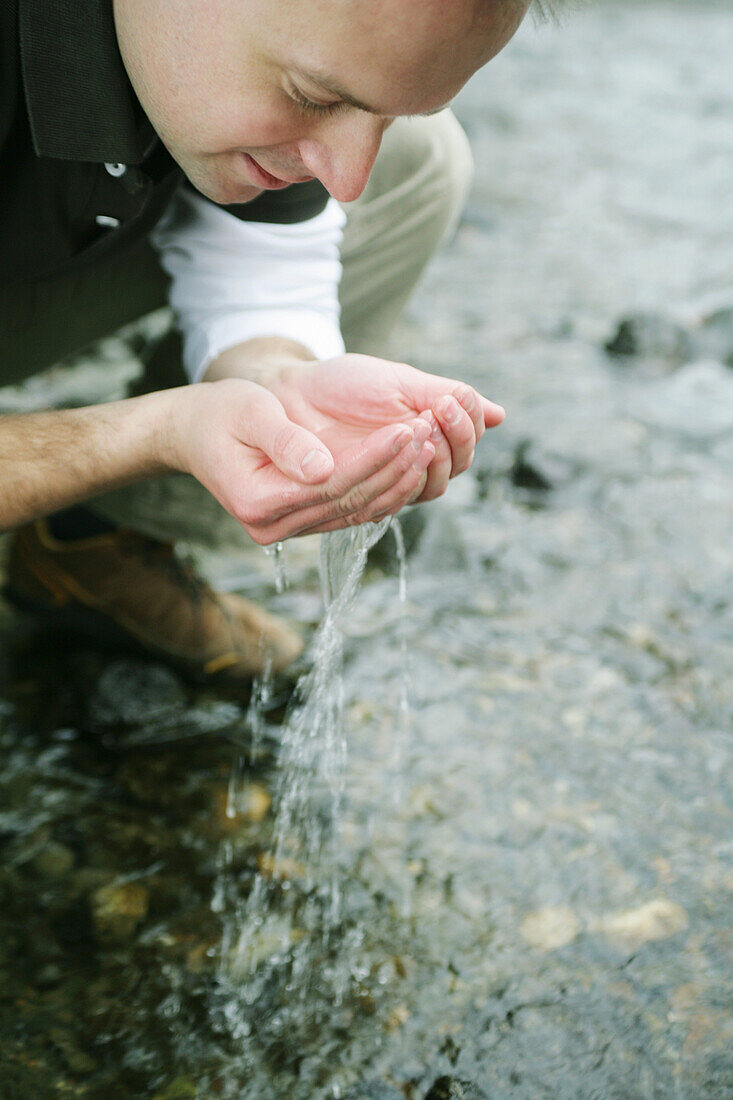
column 234, row 280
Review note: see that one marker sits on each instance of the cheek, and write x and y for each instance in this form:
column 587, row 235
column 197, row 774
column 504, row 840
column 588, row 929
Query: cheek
column 222, row 123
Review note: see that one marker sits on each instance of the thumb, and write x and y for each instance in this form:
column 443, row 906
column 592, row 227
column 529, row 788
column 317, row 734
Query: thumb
column 296, row 452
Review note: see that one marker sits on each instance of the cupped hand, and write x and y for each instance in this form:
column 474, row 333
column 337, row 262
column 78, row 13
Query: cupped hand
column 342, row 400
column 279, row 477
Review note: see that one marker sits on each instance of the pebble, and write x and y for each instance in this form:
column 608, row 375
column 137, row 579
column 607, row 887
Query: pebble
column 54, row 860
column 397, row 1018
column 118, row 908
column 550, row 928
column 630, row 928
column 283, row 868
column 254, row 802
column 183, row 1088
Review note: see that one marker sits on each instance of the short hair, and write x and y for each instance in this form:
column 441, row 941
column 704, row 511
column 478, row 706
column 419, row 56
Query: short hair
column 547, row 10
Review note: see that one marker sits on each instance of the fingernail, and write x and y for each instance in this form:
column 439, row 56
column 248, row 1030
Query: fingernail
column 432, row 423
column 451, row 410
column 427, row 455
column 402, row 440
column 465, row 396
column 315, row 464
column 417, row 444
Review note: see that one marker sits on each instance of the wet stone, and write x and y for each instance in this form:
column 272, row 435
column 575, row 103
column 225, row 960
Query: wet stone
column 76, row 1059
column 526, row 474
column 183, row 1088
column 53, row 861
column 117, row 909
column 651, row 336
column 132, row 693
column 453, row 1088
column 373, row 1090
column 384, row 553
column 254, row 803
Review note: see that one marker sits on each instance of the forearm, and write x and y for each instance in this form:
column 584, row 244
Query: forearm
column 258, row 359
column 50, row 460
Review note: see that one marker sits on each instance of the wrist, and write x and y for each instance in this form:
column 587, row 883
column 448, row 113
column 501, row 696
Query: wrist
column 262, row 360
column 171, row 420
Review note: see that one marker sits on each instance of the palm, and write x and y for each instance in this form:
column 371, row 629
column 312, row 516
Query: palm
column 345, row 400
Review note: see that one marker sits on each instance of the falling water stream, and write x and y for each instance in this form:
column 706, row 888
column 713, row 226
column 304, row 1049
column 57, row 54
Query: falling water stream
column 286, row 945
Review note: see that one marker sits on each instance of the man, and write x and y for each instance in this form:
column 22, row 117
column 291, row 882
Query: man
column 269, row 107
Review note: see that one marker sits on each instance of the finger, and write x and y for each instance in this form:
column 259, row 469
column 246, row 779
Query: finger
column 405, row 492
column 424, row 390
column 297, row 453
column 397, row 481
column 458, row 430
column 493, row 414
column 389, row 504
column 440, row 468
column 471, row 403
column 277, row 497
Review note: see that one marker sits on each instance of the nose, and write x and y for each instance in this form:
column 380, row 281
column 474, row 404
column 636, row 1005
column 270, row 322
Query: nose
column 341, row 152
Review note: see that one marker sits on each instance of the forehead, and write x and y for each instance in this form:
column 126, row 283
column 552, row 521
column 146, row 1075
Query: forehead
column 404, row 56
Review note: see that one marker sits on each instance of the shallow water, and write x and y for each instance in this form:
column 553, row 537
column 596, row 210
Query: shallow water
column 561, row 821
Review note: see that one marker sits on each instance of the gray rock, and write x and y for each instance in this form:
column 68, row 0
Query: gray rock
column 373, row 1090
column 714, row 333
column 130, row 693
column 651, row 336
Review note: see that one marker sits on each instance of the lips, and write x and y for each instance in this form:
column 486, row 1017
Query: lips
column 265, row 178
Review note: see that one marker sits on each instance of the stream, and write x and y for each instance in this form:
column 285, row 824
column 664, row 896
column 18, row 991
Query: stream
column 508, row 874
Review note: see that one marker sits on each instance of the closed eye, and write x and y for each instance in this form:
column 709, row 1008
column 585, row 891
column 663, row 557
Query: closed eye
column 317, row 108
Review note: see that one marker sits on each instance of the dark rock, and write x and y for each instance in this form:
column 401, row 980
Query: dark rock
column 525, row 474
column 130, row 693
column 651, row 336
column 452, row 1088
column 384, row 553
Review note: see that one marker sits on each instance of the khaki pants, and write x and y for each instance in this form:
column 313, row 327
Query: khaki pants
column 412, row 202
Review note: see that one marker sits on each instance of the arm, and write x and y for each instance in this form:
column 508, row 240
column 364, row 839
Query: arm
column 266, row 287
column 50, row 460
column 275, row 477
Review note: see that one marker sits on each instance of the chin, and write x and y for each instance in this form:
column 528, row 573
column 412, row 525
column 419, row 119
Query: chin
column 217, row 186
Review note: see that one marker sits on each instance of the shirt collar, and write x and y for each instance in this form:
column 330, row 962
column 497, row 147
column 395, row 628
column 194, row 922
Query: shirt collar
column 80, row 101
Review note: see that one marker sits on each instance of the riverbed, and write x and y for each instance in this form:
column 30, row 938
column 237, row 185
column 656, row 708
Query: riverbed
column 536, row 857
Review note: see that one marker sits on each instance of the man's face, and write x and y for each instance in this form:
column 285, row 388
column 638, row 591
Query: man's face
column 250, row 95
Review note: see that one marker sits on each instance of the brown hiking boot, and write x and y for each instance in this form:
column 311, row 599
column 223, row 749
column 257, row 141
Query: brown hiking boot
column 122, row 587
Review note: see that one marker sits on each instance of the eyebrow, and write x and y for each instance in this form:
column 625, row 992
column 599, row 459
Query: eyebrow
column 333, row 88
